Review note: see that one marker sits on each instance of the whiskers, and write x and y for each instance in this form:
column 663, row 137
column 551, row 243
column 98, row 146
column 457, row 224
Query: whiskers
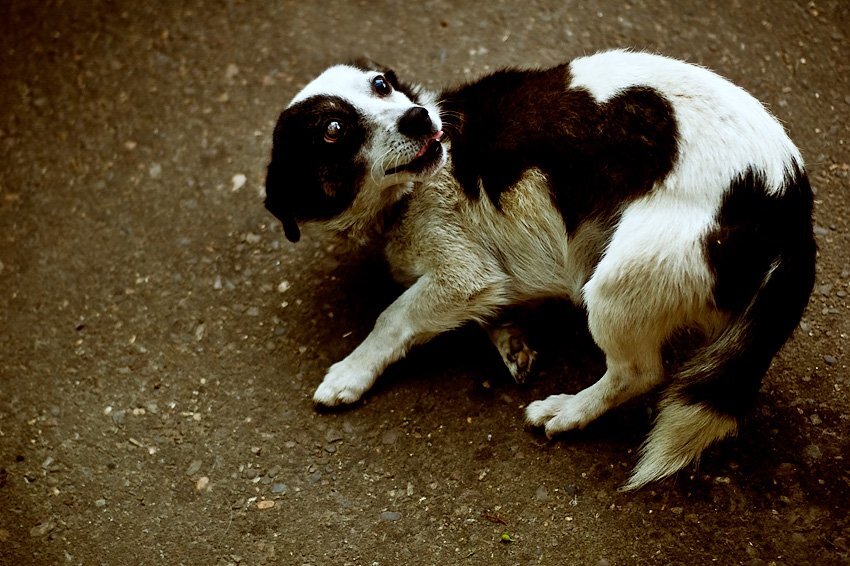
column 449, row 117
column 380, row 166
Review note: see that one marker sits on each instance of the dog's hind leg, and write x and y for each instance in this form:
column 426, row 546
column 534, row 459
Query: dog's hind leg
column 631, row 340
column 512, row 345
column 642, row 290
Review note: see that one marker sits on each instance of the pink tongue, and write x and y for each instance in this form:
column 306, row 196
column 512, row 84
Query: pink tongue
column 435, row 138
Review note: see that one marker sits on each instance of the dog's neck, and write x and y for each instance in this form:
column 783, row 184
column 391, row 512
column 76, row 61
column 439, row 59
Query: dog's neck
column 372, row 215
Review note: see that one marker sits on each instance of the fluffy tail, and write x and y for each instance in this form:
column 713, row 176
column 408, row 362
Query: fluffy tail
column 764, row 268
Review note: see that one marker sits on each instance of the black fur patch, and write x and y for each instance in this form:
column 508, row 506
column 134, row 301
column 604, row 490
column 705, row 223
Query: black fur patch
column 757, row 234
column 309, row 178
column 597, row 156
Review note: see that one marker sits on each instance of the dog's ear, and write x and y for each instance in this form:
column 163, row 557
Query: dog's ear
column 279, row 209
column 290, row 228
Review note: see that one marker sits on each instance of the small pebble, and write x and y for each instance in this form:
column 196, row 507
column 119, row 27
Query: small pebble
column 273, row 471
column 42, row 529
column 118, row 416
column 541, row 494
column 333, row 435
column 279, row 488
column 251, row 473
column 194, row 467
column 100, row 503
column 813, row 451
column 390, row 436
column 815, row 419
column 202, row 484
column 265, row 504
column 256, row 450
column 390, row 516
column 829, row 360
column 155, row 170
column 238, row 181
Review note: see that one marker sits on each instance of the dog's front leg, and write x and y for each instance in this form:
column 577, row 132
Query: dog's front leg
column 431, row 306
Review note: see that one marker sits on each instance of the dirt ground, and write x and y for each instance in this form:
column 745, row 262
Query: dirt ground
column 160, row 340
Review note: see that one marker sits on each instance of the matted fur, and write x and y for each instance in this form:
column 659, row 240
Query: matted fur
column 653, row 193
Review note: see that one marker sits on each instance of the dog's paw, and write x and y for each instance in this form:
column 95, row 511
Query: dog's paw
column 519, row 358
column 558, row 413
column 342, row 385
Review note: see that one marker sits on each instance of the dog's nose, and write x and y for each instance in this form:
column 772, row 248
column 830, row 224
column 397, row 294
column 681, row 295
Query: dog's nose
column 416, row 123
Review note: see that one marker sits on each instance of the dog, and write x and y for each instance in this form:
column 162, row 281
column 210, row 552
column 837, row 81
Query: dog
column 651, row 192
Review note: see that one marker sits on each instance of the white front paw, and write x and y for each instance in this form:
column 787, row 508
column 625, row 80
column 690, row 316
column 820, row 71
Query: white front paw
column 342, row 385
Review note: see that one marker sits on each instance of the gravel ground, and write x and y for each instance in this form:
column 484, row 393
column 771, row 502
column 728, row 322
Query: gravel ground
column 160, row 340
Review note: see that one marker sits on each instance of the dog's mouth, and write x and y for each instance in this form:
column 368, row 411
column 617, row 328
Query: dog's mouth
column 428, row 155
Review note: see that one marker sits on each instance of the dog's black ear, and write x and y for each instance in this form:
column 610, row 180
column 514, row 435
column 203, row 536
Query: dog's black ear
column 290, row 228
column 279, row 210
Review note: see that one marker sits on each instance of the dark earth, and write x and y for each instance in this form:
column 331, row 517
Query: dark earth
column 160, row 340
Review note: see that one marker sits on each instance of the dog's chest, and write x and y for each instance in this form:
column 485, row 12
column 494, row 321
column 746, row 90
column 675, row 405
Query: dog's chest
column 523, row 241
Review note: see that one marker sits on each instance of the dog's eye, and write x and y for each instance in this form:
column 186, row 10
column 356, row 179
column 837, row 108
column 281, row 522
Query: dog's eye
column 333, row 131
column 381, row 86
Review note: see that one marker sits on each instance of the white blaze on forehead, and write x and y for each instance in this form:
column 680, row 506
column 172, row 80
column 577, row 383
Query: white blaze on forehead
column 339, row 80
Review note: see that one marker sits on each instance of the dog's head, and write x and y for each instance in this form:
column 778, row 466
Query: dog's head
column 345, row 142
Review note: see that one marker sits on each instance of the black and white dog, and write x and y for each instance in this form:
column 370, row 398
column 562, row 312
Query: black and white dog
column 654, row 193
